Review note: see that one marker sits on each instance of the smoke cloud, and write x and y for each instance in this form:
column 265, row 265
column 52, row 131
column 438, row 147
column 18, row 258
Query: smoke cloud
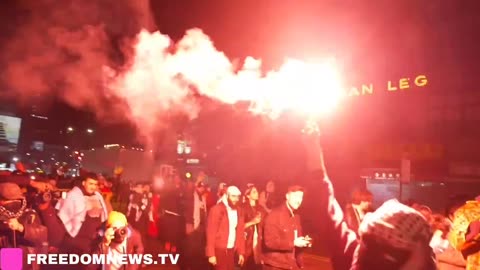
column 93, row 55
column 60, row 47
column 163, row 73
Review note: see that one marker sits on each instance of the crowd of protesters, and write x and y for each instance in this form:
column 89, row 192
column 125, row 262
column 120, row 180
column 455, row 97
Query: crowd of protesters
column 228, row 226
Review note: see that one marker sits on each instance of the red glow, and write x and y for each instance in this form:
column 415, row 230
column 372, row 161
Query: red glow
column 159, row 80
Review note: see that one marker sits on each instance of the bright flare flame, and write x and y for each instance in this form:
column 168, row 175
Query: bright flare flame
column 312, row 89
column 161, row 75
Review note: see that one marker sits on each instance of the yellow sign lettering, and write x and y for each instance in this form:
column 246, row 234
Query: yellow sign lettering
column 353, row 92
column 390, row 87
column 404, row 83
column 367, row 89
column 421, row 80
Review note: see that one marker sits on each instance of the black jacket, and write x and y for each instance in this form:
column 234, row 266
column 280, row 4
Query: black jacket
column 56, row 231
column 250, row 213
column 30, row 240
column 278, row 237
column 34, row 233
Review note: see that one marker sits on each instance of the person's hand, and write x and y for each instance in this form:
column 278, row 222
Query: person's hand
column 301, row 242
column 14, row 225
column 189, row 228
column 212, row 260
column 311, row 141
column 41, row 186
column 311, row 128
column 241, row 260
column 256, row 220
column 309, row 239
column 108, row 236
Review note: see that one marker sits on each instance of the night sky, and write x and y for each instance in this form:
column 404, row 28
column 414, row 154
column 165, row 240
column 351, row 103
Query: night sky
column 380, row 39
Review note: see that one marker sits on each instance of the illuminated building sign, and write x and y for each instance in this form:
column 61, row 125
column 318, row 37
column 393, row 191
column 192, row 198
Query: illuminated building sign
column 418, row 81
column 183, row 147
column 37, row 145
column 9, row 133
column 381, row 174
column 39, row 116
column 107, row 146
column 193, row 161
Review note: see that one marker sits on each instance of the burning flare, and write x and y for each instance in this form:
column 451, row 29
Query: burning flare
column 162, row 74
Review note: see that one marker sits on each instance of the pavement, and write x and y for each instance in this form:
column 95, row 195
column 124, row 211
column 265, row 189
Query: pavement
column 317, row 262
column 312, row 260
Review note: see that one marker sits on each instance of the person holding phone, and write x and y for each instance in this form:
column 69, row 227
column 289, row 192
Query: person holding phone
column 282, row 234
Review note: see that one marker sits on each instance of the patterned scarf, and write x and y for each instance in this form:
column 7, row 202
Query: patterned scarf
column 396, row 225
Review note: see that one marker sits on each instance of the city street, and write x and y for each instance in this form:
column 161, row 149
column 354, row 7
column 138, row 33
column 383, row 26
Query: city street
column 312, row 262
column 155, row 134
column 317, row 262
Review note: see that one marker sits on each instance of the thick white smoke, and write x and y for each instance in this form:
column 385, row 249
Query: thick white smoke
column 162, row 73
column 60, row 47
column 67, row 48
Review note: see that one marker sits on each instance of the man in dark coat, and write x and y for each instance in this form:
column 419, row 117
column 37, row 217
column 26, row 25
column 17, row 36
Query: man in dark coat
column 282, row 234
column 195, row 214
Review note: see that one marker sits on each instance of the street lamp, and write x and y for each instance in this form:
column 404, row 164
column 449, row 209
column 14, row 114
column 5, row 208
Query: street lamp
column 89, row 130
column 15, row 159
column 70, row 129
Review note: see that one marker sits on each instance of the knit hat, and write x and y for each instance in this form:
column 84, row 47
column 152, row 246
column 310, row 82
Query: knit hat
column 234, row 191
column 10, row 191
column 116, row 216
column 396, row 225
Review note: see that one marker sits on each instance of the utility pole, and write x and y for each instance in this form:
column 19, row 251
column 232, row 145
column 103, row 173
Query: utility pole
column 405, row 174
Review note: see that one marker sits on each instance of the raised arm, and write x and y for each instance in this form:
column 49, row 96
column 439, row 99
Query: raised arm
column 341, row 240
